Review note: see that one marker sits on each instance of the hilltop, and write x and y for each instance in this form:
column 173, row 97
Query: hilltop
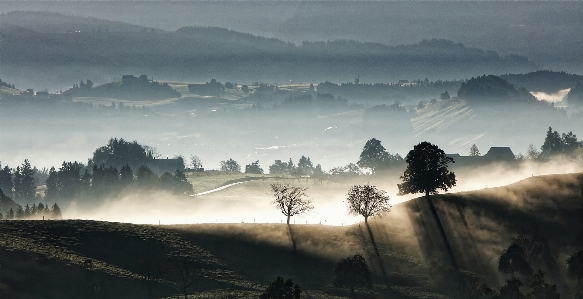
column 406, row 254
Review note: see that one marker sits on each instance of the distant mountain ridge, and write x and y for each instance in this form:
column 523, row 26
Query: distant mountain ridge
column 108, row 48
column 52, row 22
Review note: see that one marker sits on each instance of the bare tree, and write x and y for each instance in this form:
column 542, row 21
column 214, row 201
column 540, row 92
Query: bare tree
column 291, row 200
column 195, row 162
column 367, row 200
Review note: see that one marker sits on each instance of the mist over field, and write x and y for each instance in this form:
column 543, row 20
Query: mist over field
column 202, row 149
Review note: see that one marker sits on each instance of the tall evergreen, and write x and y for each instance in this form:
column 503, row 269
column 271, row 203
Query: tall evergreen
column 17, row 184
column 19, row 212
column 24, row 184
column 6, row 181
column 69, row 180
column 126, row 176
column 56, row 211
column 553, row 144
column 27, row 211
column 52, row 190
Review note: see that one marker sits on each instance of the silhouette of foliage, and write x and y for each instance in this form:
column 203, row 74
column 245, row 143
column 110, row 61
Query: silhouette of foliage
column 318, row 173
column 195, row 162
column 511, row 290
column 305, row 166
column 280, row 289
column 6, row 183
column 291, row 200
column 373, row 155
column 538, row 288
column 254, row 168
column 575, row 265
column 352, row 272
column 230, row 165
column 426, row 170
column 513, row 260
column 367, row 201
column 556, row 144
column 282, row 168
column 119, row 152
column 474, row 151
column 24, row 184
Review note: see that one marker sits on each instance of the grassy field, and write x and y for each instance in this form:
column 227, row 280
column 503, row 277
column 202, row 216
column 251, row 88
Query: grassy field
column 405, row 249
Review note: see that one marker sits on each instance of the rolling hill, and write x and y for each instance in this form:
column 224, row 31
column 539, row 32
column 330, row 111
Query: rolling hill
column 405, row 249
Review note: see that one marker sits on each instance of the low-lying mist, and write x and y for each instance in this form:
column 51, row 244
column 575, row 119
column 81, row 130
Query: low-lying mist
column 558, row 96
column 249, row 202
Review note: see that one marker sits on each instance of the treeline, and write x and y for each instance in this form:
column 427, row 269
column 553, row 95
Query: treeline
column 130, row 88
column 33, row 212
column 19, row 183
column 374, row 158
column 380, row 91
column 8, row 85
column 73, row 181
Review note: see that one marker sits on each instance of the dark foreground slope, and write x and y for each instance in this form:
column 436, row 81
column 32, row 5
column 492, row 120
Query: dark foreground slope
column 406, row 250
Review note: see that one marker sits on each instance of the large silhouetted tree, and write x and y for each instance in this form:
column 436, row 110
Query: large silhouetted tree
column 291, row 200
column 367, row 201
column 352, row 272
column 426, row 170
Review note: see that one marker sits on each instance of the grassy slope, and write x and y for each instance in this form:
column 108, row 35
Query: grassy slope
column 43, row 259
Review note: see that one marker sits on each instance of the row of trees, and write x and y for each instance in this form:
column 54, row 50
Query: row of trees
column 41, row 211
column 19, row 183
column 305, row 167
column 427, row 172
column 72, row 180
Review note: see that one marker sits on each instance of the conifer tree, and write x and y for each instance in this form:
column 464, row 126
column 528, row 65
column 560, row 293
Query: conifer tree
column 52, row 190
column 56, row 212
column 26, row 211
column 6, row 181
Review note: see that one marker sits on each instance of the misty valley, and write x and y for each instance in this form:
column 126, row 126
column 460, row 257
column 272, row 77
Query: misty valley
column 225, row 160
